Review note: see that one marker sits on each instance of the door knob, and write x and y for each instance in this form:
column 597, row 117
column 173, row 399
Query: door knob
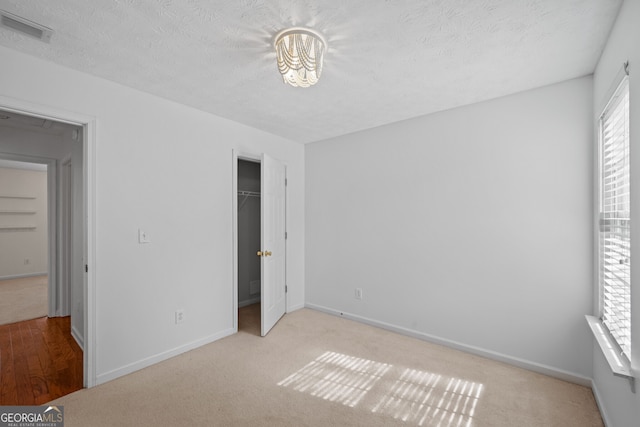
column 259, row 253
column 267, row 253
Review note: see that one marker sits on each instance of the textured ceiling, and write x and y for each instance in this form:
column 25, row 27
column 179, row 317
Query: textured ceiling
column 387, row 60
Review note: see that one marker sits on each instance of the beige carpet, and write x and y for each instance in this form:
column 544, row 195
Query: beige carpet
column 23, row 299
column 318, row 370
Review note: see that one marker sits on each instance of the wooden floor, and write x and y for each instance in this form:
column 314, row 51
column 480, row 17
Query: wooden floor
column 39, row 361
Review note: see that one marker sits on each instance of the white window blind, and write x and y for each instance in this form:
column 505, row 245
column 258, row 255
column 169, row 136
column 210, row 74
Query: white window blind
column 615, row 238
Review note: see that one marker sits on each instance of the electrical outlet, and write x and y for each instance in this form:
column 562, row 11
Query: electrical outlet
column 179, row 316
column 143, row 236
column 358, row 293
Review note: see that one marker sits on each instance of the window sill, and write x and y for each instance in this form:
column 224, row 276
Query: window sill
column 619, row 365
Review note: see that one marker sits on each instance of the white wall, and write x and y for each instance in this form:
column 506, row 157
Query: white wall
column 619, row 405
column 470, row 226
column 165, row 168
column 18, row 246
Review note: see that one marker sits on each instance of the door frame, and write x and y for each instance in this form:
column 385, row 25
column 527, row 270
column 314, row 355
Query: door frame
column 64, row 235
column 88, row 125
column 255, row 157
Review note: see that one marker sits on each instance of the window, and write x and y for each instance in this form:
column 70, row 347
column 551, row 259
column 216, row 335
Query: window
column 614, row 219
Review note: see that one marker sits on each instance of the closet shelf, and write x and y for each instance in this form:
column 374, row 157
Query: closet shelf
column 246, row 195
column 15, row 196
column 17, row 227
column 17, row 212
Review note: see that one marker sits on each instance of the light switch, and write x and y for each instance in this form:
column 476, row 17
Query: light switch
column 143, row 237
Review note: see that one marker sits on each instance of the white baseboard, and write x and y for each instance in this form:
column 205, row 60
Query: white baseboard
column 601, row 407
column 248, row 302
column 514, row 361
column 21, row 276
column 152, row 360
column 76, row 336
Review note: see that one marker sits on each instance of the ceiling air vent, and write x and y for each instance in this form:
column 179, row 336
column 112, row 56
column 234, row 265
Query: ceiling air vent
column 24, row 26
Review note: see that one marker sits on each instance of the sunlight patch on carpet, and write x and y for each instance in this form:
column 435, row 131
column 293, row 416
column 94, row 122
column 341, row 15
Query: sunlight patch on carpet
column 416, row 397
column 423, row 398
column 337, row 378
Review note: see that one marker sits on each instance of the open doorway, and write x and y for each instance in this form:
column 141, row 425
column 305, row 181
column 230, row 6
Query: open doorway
column 249, row 269
column 58, row 148
column 271, row 249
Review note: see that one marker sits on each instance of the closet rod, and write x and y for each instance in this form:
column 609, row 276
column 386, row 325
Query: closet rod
column 246, row 195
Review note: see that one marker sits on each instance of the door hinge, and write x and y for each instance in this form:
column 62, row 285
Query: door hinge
column 286, row 182
column 285, row 235
column 86, row 268
column 286, row 289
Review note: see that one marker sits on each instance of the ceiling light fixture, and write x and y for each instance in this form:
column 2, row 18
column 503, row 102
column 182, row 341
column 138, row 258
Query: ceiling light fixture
column 300, row 52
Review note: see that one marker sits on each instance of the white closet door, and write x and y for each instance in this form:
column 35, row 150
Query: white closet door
column 273, row 295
